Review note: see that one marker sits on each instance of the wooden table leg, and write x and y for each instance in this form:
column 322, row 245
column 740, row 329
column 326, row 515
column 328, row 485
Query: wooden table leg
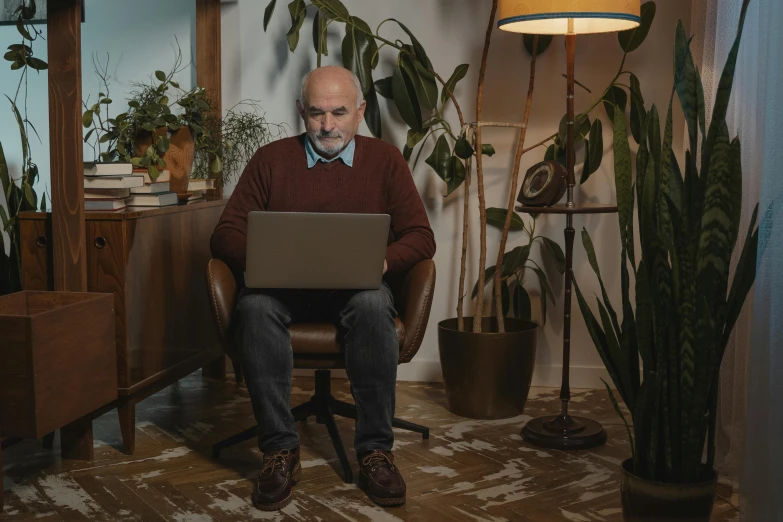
column 2, row 489
column 216, row 369
column 126, row 410
column 48, row 441
column 76, row 440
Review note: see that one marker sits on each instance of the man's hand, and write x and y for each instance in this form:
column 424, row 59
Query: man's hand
column 385, row 266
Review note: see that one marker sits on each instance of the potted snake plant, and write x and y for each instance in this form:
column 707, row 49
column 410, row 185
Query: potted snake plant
column 685, row 308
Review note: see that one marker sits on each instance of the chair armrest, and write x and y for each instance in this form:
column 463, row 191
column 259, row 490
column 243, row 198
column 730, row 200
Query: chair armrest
column 222, row 289
column 416, row 300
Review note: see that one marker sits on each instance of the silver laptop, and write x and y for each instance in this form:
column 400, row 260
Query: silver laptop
column 315, row 250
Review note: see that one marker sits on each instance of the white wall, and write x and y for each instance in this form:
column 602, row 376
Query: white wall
column 139, row 37
column 258, row 65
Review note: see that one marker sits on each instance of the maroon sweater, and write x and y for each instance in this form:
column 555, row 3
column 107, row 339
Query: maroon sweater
column 277, row 179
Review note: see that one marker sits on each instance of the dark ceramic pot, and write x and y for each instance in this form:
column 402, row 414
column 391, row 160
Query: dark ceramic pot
column 647, row 501
column 487, row 375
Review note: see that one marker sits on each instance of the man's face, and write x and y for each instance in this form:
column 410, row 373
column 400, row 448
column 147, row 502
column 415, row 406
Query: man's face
column 330, row 113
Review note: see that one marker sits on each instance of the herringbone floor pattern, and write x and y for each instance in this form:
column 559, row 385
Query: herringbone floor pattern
column 468, row 470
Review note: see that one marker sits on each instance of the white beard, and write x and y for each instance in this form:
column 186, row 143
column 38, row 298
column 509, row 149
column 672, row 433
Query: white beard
column 327, row 149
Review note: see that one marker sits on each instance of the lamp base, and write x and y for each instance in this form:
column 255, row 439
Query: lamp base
column 564, row 432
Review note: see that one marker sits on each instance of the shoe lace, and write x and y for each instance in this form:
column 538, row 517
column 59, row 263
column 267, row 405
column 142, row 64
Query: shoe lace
column 278, row 459
column 378, row 459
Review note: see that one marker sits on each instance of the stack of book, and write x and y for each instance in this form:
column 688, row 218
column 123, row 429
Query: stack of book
column 198, row 188
column 115, row 186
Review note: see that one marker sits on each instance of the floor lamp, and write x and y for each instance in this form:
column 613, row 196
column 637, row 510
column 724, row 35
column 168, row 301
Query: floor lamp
column 567, row 17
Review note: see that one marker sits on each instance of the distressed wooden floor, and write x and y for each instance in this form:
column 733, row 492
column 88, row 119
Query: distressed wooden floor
column 468, row 470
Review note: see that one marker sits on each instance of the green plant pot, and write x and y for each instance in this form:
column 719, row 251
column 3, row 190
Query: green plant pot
column 648, row 501
column 487, row 375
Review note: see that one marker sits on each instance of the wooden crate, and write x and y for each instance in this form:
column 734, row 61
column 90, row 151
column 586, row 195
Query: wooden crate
column 58, row 360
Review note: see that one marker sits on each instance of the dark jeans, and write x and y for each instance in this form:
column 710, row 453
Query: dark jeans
column 365, row 320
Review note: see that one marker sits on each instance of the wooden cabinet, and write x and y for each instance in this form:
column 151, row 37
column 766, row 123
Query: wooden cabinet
column 154, row 261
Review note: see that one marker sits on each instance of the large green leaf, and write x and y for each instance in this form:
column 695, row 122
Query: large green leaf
column 268, row 12
column 522, row 305
column 440, row 158
column 459, row 72
column 631, row 39
column 622, row 176
column 457, row 175
column 463, row 149
column 514, row 260
column 488, row 274
column 581, row 128
column 333, row 8
column 384, row 88
column 358, row 51
column 544, row 40
column 405, row 98
column 687, row 81
column 298, row 11
column 496, row 217
column 418, row 49
column 372, row 113
column 557, row 254
column 595, row 150
column 319, row 34
column 615, row 97
column 423, row 81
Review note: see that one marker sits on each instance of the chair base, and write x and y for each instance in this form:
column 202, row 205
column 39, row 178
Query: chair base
column 323, row 406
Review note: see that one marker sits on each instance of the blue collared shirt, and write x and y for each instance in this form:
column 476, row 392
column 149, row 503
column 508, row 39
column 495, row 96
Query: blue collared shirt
column 314, row 157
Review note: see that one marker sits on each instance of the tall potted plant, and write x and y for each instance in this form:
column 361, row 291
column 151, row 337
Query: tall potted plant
column 488, row 339
column 685, row 308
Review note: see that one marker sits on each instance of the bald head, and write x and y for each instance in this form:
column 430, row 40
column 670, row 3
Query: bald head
column 332, row 107
column 330, row 76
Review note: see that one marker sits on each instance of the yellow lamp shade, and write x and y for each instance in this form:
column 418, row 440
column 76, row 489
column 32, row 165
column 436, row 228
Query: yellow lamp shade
column 552, row 16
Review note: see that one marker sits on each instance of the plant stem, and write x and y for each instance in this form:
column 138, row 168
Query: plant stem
column 464, row 259
column 513, row 191
column 451, row 95
column 496, row 124
column 477, row 317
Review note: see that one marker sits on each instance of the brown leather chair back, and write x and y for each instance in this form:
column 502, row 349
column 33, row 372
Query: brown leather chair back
column 412, row 298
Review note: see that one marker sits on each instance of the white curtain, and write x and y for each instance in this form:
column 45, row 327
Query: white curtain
column 750, row 433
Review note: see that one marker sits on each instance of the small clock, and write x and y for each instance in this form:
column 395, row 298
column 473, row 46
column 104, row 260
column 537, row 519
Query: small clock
column 544, row 185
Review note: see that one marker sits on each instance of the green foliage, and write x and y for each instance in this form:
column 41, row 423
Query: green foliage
column 685, row 308
column 517, row 264
column 19, row 195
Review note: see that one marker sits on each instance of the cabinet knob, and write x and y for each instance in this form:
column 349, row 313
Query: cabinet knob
column 100, row 242
column 41, row 241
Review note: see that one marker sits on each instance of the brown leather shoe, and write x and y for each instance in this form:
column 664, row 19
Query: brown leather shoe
column 281, row 470
column 381, row 479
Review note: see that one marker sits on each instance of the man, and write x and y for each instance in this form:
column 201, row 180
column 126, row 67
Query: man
column 327, row 169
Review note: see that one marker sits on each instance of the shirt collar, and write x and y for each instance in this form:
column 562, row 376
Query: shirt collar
column 314, row 157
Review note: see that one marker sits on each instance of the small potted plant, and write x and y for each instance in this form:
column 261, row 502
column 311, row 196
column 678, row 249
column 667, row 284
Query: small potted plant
column 685, row 308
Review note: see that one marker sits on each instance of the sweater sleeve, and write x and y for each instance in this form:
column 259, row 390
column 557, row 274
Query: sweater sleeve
column 413, row 237
column 229, row 239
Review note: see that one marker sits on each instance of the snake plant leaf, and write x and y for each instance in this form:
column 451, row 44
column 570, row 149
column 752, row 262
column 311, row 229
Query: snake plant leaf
column 440, row 158
column 544, row 40
column 631, row 39
column 722, row 95
column 590, row 249
column 405, row 98
column 488, row 275
column 357, row 53
column 557, row 254
column 744, row 276
column 720, row 208
column 638, row 112
column 372, row 113
column 268, row 12
column 614, row 97
column 675, row 182
column 613, row 345
column 620, row 413
column 522, row 305
column 298, row 11
column 496, row 217
column 459, row 73
column 595, row 150
column 654, row 138
column 665, row 178
column 622, row 169
column 689, row 87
